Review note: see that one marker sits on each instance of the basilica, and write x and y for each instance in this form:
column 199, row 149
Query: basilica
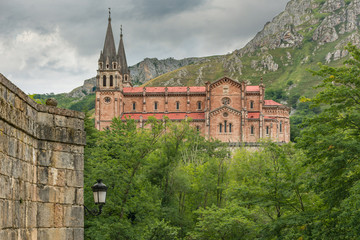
column 227, row 109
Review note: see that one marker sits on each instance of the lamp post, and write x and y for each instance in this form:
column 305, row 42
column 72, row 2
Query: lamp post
column 99, row 190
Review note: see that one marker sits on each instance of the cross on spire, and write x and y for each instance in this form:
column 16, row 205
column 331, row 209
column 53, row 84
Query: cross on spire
column 109, row 13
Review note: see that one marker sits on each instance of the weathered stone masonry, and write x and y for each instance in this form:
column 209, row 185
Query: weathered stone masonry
column 41, row 168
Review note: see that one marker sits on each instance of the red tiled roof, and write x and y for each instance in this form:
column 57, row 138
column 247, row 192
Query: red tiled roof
column 132, row 89
column 254, row 115
column 197, row 89
column 162, row 89
column 155, row 89
column 252, row 88
column 172, row 116
column 272, row 102
column 177, row 89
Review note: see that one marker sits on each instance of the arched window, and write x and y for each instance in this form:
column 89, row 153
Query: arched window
column 252, row 130
column 198, row 128
column 220, row 127
column 199, row 105
column 134, row 106
column 280, row 126
column 111, row 81
column 155, row 105
column 225, row 126
column 114, row 65
column 230, row 127
column 267, row 130
column 251, row 104
column 104, row 81
column 177, row 105
column 125, row 77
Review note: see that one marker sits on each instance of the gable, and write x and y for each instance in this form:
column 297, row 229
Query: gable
column 226, row 81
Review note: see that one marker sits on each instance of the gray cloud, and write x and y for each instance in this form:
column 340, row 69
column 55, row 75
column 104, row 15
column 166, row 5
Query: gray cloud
column 52, row 40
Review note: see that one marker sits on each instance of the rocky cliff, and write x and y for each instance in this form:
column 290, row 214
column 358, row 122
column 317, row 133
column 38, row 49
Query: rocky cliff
column 307, row 32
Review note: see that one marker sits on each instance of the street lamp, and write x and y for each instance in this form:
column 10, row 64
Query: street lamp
column 99, row 190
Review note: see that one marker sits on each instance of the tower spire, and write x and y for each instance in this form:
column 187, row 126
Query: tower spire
column 109, row 51
column 122, row 56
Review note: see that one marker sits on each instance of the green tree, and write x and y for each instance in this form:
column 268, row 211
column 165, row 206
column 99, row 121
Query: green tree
column 331, row 143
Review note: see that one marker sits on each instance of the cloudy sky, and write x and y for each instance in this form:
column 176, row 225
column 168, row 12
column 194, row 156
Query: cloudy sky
column 53, row 46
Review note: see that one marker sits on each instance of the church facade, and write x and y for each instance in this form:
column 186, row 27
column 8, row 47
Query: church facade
column 226, row 109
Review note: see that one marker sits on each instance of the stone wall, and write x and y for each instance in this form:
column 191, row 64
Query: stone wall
column 41, row 169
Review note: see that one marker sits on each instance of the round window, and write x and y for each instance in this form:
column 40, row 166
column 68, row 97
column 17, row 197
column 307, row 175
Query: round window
column 107, row 99
column 225, row 114
column 225, row 101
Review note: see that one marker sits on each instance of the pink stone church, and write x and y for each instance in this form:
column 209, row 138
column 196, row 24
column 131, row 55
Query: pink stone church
column 226, row 109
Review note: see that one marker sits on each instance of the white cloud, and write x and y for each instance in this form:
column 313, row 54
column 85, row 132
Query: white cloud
column 44, row 62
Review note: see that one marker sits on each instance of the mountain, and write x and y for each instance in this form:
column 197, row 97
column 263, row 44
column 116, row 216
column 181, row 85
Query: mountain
column 305, row 33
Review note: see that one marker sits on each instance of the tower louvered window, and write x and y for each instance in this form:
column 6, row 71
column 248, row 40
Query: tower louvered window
column 111, row 81
column 104, row 81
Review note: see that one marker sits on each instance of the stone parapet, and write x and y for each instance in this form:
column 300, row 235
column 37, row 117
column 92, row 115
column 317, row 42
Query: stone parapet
column 41, row 168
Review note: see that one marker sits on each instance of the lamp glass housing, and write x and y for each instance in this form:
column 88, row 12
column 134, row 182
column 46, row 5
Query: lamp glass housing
column 99, row 191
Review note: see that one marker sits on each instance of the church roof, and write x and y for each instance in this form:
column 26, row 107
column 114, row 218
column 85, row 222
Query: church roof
column 162, row 89
column 171, row 116
column 253, row 88
column 109, row 50
column 272, row 103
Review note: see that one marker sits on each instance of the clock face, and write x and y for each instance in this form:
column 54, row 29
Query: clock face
column 107, row 99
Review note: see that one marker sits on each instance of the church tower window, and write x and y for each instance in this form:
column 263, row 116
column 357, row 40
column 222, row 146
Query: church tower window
column 199, row 105
column 252, row 130
column 104, row 81
column 225, row 126
column 230, row 127
column 134, row 106
column 156, row 105
column 111, row 81
column 251, row 104
column 280, row 126
column 177, row 105
column 267, row 130
column 220, row 127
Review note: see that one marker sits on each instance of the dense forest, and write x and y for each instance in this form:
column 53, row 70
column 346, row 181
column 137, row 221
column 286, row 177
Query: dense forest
column 168, row 182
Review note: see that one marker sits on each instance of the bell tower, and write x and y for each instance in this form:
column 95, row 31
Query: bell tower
column 112, row 75
column 108, row 74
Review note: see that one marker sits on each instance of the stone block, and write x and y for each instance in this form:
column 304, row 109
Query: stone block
column 31, row 214
column 56, row 177
column 5, row 165
column 64, row 160
column 69, row 195
column 74, row 178
column 78, row 162
column 7, row 211
column 79, row 196
column 45, row 118
column 43, row 175
column 5, row 192
column 45, row 215
column 60, row 121
column 78, row 234
column 74, row 216
column 59, row 216
column 49, row 194
column 12, row 146
column 44, row 157
column 18, row 214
